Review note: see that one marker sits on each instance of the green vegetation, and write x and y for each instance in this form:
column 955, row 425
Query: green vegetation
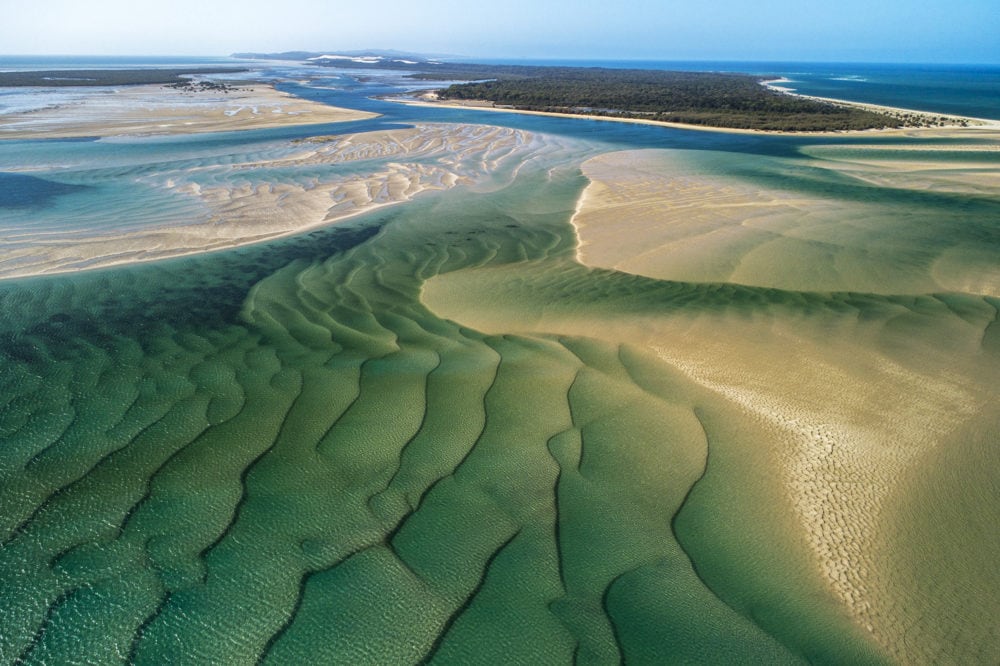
column 736, row 101
column 697, row 98
column 105, row 77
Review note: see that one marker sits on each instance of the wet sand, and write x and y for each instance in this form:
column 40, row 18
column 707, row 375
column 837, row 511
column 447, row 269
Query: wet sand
column 824, row 415
column 154, row 109
column 666, row 215
column 403, row 163
column 847, row 399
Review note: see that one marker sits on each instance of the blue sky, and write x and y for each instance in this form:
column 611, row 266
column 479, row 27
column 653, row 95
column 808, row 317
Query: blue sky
column 845, row 30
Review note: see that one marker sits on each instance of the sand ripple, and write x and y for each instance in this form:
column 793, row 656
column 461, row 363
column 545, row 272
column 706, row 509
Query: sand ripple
column 287, row 189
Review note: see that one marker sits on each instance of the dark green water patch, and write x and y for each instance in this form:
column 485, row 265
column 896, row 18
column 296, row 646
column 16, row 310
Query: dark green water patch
column 22, row 191
column 198, row 292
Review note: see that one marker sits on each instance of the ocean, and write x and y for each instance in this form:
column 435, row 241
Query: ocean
column 596, row 392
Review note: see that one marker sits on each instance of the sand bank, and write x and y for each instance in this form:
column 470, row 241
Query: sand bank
column 155, row 109
column 250, row 208
column 851, row 402
column 665, row 215
column 954, row 123
column 838, row 409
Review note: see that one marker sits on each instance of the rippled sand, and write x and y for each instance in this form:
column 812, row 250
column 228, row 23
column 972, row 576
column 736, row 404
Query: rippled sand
column 432, row 434
column 153, row 109
column 244, row 203
column 671, row 215
column 849, row 401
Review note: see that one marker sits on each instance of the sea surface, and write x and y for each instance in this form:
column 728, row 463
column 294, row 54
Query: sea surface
column 429, row 434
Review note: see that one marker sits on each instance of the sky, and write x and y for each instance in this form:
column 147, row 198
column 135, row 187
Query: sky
column 956, row 31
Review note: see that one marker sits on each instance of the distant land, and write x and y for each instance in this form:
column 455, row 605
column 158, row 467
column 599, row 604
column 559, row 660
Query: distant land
column 709, row 99
column 107, row 77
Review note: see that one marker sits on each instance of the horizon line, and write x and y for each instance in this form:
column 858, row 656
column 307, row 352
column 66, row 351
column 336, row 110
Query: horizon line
column 468, row 58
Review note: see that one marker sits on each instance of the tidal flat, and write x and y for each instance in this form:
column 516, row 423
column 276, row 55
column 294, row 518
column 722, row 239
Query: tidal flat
column 565, row 395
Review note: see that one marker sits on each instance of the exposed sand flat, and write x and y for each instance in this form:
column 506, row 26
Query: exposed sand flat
column 154, row 109
column 660, row 214
column 646, row 215
column 245, row 208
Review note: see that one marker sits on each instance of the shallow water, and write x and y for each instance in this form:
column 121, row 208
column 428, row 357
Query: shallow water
column 427, row 433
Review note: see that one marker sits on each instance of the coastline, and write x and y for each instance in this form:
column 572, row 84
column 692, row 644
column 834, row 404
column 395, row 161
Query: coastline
column 150, row 110
column 972, row 123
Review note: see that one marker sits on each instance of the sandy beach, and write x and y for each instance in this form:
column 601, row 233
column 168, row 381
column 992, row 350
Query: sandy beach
column 154, row 109
column 955, row 123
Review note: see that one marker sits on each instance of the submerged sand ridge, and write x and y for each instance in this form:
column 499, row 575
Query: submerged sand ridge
column 838, row 399
column 278, row 457
column 244, row 202
column 852, row 399
column 153, row 109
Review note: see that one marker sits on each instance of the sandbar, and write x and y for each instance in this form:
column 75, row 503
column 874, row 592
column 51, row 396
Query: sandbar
column 157, row 109
column 836, row 406
column 849, row 401
column 242, row 206
column 668, row 215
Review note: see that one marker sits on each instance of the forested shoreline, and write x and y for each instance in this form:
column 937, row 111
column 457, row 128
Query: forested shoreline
column 737, row 101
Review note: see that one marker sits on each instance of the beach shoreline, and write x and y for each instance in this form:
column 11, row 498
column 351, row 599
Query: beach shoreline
column 972, row 124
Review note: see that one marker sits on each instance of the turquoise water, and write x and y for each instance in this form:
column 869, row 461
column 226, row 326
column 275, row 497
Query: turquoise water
column 278, row 453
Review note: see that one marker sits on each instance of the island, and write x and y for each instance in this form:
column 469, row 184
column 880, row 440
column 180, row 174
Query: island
column 725, row 100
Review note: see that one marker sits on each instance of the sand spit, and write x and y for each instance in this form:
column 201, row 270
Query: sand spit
column 153, row 109
column 934, row 121
column 245, row 206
